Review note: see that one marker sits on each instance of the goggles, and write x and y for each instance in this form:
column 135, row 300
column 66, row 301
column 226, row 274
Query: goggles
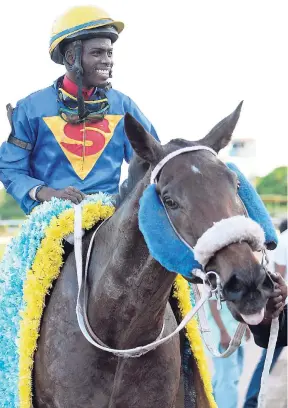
column 68, row 108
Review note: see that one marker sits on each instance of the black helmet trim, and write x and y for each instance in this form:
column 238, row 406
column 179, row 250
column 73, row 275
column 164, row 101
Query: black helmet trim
column 99, row 32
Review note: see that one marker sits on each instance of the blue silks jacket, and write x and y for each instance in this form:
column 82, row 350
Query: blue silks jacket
column 58, row 157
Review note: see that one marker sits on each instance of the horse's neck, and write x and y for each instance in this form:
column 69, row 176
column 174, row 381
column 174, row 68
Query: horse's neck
column 128, row 300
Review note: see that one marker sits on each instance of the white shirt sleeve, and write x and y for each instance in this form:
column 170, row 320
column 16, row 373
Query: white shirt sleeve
column 281, row 252
column 32, row 193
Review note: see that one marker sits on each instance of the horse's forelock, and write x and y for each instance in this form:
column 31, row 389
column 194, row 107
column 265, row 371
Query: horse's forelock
column 175, row 144
column 179, row 143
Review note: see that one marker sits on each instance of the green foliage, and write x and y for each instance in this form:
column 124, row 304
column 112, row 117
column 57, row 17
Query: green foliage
column 274, row 183
column 9, row 209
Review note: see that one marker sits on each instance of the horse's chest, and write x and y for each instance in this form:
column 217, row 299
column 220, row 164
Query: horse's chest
column 70, row 373
column 67, row 367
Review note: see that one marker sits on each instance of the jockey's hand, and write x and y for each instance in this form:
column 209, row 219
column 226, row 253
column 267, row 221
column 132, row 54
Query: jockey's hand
column 68, row 193
column 276, row 303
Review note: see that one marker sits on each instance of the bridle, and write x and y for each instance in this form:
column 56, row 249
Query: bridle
column 81, row 308
column 216, row 290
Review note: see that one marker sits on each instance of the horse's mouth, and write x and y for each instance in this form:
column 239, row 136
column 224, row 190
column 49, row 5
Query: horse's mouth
column 252, row 318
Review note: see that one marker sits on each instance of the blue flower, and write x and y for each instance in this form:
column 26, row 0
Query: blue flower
column 17, row 260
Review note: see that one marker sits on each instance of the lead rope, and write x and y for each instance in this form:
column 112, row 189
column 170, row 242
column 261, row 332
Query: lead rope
column 207, row 335
column 80, row 307
column 268, row 362
column 134, row 352
column 200, row 300
column 274, row 330
column 82, row 280
column 275, row 325
column 235, row 343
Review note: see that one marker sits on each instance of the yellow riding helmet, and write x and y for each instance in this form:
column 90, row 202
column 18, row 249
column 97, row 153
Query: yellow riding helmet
column 82, row 23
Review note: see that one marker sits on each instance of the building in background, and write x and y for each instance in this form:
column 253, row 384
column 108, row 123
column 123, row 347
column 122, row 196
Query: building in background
column 242, row 152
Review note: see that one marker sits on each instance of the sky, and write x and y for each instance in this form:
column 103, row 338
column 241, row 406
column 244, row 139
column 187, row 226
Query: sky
column 187, row 64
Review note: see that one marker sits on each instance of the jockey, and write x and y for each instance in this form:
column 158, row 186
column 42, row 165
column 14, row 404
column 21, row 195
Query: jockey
column 68, row 140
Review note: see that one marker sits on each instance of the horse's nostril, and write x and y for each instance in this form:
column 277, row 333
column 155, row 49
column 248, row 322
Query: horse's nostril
column 267, row 283
column 233, row 296
column 234, row 289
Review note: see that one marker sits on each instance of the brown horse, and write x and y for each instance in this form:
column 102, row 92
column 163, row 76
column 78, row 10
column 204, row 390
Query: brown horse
column 129, row 290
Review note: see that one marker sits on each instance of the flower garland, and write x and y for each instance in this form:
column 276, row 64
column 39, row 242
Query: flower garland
column 183, row 292
column 31, row 263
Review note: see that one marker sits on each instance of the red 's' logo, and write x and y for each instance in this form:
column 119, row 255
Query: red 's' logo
column 94, row 140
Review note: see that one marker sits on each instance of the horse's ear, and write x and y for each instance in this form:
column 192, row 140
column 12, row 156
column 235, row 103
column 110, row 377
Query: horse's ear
column 142, row 142
column 221, row 134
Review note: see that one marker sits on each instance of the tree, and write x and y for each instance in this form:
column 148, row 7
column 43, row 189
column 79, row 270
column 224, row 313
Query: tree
column 274, row 183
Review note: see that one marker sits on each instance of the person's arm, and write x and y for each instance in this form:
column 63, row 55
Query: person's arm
column 15, row 156
column 15, row 170
column 275, row 308
column 224, row 335
column 280, row 257
column 138, row 115
column 261, row 332
column 281, row 269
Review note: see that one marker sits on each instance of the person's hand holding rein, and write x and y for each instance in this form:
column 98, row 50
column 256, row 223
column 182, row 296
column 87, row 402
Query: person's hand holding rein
column 276, row 303
column 68, row 193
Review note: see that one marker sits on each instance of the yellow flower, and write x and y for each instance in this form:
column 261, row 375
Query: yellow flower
column 39, row 280
column 182, row 294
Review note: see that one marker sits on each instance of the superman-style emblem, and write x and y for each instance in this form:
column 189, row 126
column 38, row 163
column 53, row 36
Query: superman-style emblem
column 83, row 144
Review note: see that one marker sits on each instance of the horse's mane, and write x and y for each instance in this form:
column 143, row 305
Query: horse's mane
column 136, row 171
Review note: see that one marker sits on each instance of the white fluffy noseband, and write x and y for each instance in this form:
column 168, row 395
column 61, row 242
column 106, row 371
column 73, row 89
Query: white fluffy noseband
column 226, row 232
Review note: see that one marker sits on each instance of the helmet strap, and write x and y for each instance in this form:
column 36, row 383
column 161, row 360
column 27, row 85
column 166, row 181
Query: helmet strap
column 78, row 70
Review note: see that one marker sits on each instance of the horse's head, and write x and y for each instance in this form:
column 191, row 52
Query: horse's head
column 198, row 190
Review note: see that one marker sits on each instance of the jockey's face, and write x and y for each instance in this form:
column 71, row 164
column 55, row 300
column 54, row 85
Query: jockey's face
column 97, row 61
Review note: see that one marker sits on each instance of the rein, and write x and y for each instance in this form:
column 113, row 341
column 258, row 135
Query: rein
column 208, row 289
column 83, row 321
column 81, row 310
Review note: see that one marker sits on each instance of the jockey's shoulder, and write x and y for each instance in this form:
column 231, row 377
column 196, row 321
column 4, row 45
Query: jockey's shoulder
column 123, row 98
column 113, row 91
column 37, row 97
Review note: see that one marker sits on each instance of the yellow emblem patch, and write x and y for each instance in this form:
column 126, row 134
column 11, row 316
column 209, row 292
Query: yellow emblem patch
column 83, row 144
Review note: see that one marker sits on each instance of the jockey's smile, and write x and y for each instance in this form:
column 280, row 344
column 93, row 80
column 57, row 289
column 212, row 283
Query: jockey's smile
column 97, row 61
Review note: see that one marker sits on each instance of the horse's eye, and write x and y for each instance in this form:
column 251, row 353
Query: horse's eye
column 237, row 179
column 170, row 203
